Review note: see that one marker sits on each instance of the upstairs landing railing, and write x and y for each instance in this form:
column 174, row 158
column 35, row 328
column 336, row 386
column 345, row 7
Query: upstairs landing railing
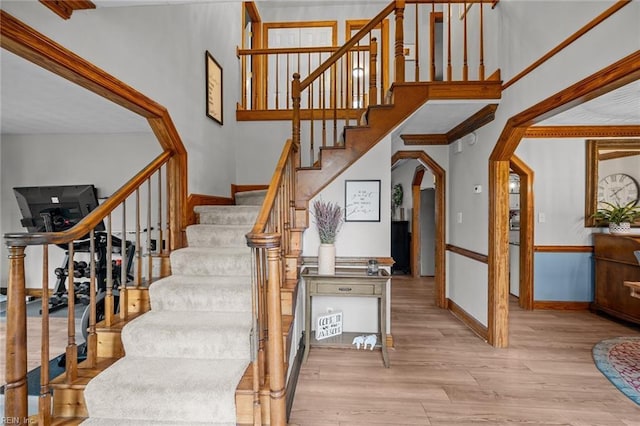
column 150, row 206
column 332, row 87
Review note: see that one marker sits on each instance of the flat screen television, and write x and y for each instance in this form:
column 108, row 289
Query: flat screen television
column 55, row 208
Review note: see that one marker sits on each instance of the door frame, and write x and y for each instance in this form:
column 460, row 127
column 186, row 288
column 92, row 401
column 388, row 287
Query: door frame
column 440, row 291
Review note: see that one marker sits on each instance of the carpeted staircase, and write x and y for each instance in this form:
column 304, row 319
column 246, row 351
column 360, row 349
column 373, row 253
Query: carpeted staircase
column 185, row 357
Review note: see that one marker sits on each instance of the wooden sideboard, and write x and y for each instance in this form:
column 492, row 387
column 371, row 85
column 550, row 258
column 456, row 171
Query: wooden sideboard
column 615, row 263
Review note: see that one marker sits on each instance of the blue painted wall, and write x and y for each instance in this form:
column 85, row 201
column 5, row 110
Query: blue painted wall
column 566, row 277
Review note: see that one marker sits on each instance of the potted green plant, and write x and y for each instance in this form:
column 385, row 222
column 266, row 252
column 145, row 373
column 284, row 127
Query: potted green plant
column 618, row 217
column 329, row 219
column 396, row 197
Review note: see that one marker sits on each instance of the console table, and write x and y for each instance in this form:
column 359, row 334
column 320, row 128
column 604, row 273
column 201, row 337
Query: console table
column 347, row 282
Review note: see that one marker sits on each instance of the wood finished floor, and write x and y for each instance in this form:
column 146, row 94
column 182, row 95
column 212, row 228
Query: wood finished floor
column 442, row 374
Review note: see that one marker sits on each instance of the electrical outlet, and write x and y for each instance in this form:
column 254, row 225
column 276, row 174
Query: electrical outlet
column 459, row 217
column 541, row 218
column 477, row 189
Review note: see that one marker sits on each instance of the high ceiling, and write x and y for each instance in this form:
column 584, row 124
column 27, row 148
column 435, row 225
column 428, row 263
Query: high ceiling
column 36, row 101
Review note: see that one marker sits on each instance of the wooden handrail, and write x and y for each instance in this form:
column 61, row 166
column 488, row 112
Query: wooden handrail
column 296, row 50
column 92, row 220
column 267, row 206
column 348, row 45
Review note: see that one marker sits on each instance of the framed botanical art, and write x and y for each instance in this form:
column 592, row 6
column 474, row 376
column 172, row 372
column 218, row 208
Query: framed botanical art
column 214, row 88
column 362, row 201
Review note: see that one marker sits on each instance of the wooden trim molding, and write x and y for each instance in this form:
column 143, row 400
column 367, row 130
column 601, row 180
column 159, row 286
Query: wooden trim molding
column 563, row 249
column 610, row 78
column 204, row 200
column 475, row 325
column 65, row 8
column 526, row 175
column 424, row 139
column 477, row 120
column 415, row 220
column 575, row 36
column 554, row 132
column 468, row 253
column 617, row 154
column 486, row 115
column 560, row 305
column 440, row 249
column 350, row 261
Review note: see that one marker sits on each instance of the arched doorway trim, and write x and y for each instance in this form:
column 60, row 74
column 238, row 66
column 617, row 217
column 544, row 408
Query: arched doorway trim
column 440, row 181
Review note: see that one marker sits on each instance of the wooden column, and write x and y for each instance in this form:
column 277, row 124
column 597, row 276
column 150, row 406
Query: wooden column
column 373, row 72
column 277, row 391
column 15, row 392
column 498, row 330
column 399, row 46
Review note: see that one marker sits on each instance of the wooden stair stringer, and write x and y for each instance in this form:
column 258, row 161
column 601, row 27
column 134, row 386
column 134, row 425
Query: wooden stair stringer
column 381, row 121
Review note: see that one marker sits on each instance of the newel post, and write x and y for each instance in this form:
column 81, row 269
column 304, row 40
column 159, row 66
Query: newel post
column 399, row 51
column 373, row 74
column 277, row 390
column 15, row 393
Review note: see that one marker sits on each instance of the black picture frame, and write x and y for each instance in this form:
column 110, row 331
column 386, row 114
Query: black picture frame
column 213, row 84
column 362, row 200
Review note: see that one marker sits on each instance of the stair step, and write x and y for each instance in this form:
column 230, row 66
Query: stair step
column 200, row 293
column 189, row 335
column 109, row 341
column 227, row 215
column 207, row 235
column 175, row 390
column 93, row 421
column 68, row 398
column 289, row 296
column 211, row 261
column 251, row 198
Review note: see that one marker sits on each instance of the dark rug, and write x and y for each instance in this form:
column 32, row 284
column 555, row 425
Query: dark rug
column 619, row 360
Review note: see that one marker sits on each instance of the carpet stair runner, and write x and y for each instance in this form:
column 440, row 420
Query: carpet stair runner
column 184, row 358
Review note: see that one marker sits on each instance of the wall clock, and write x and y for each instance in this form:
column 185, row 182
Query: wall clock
column 618, row 189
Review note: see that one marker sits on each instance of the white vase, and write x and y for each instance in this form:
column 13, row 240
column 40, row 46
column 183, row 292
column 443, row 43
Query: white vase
column 327, row 259
column 619, row 228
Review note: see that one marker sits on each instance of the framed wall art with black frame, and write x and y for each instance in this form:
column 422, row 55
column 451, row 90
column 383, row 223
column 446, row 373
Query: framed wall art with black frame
column 362, row 200
column 214, row 88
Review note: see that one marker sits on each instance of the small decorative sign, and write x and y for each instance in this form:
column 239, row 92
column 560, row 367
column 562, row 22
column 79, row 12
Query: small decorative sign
column 362, row 201
column 329, row 325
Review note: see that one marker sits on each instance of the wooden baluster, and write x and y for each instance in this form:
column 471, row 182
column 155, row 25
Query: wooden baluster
column 465, row 64
column 138, row 245
column 71, row 366
column 287, row 76
column 169, row 242
column 359, row 79
column 310, row 88
column 276, row 351
column 161, row 247
column 92, row 337
column 416, row 54
column 277, row 78
column 481, row 67
column 125, row 264
column 149, row 254
column 295, row 123
column 311, row 125
column 334, row 102
column 266, row 82
column 432, row 43
column 243, row 84
column 324, row 110
column 15, row 391
column 373, row 72
column 347, row 94
column 399, row 46
column 449, row 43
column 44, row 402
column 108, row 300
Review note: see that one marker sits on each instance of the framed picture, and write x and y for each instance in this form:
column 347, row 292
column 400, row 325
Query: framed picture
column 362, row 201
column 214, row 88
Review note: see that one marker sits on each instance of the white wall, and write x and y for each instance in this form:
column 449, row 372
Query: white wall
column 38, row 160
column 357, row 239
column 159, row 50
column 538, row 26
